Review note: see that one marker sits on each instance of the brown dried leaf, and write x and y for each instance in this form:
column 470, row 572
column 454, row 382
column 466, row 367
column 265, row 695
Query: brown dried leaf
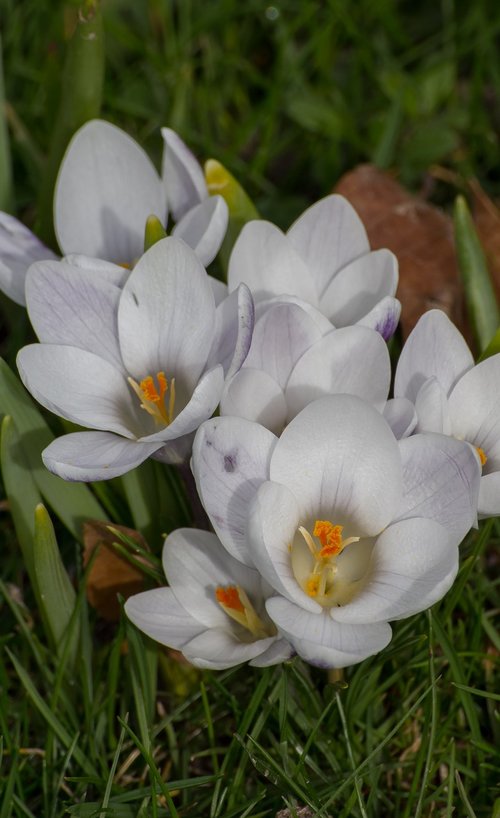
column 421, row 237
column 487, row 219
column 110, row 574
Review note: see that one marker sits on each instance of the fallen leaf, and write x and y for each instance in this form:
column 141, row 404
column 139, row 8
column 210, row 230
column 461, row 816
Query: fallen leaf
column 487, row 220
column 421, row 237
column 110, row 574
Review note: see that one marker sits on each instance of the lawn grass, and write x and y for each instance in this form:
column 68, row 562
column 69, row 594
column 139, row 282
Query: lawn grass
column 288, row 96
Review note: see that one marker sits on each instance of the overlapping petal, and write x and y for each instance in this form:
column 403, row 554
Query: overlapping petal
column 255, row 395
column 204, row 227
column 359, row 287
column 90, row 456
column 182, row 175
column 19, row 248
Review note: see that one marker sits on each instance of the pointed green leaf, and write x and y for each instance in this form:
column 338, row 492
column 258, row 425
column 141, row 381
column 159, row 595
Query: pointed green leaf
column 5, row 160
column 480, row 296
column 493, row 347
column 241, row 208
column 153, row 232
column 72, row 502
column 56, row 593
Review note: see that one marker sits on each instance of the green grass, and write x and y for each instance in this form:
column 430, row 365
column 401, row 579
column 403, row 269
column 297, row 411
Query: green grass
column 288, row 96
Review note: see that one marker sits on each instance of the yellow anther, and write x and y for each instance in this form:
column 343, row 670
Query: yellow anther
column 312, row 585
column 229, row 598
column 152, row 397
column 235, row 602
column 482, row 456
column 328, row 545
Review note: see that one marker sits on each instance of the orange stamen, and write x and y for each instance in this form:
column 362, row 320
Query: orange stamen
column 482, row 456
column 229, row 597
column 330, row 537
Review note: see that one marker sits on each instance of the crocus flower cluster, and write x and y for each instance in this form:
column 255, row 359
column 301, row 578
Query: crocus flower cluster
column 335, row 507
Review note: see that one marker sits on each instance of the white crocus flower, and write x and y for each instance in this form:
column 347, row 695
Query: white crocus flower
column 323, row 259
column 296, row 356
column 214, row 608
column 350, row 527
column 436, row 372
column 142, row 365
column 106, row 188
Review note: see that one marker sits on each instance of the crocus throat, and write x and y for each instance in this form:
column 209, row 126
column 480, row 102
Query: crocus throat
column 328, row 545
column 153, row 397
column 235, row 602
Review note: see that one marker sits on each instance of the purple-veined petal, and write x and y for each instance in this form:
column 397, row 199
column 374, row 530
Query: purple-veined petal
column 204, row 227
column 90, row 456
column 19, row 248
column 182, row 175
column 413, row 564
column 106, row 188
column 383, row 318
column 230, row 461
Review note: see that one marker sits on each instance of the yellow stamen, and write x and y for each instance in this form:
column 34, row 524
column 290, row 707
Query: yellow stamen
column 153, row 396
column 235, row 602
column 229, row 598
column 482, row 456
column 312, row 585
column 330, row 537
column 331, row 544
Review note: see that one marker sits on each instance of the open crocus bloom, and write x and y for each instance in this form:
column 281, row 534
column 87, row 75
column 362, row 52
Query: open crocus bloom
column 436, row 372
column 325, row 260
column 106, row 188
column 350, row 527
column 296, row 356
column 214, row 608
column 142, row 365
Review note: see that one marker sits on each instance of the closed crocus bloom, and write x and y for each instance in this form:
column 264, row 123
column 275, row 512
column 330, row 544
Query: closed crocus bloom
column 142, row 364
column 350, row 527
column 214, row 608
column 323, row 259
column 453, row 396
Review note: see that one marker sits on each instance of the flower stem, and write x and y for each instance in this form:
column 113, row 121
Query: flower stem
column 336, row 674
column 198, row 513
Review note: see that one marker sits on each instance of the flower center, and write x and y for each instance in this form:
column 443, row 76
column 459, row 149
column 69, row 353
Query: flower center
column 153, row 397
column 325, row 545
column 235, row 602
column 482, row 456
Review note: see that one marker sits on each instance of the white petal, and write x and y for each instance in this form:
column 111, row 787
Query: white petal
column 281, row 335
column 103, row 270
column 342, row 463
column 175, row 451
column 401, row 416
column 204, row 227
column 182, row 175
column 278, row 652
column 413, row 565
column 196, row 564
column 71, row 306
column 265, row 260
column 474, row 409
column 219, row 290
column 440, row 482
column 359, row 286
column 234, row 322
column 434, row 348
column 106, row 189
column 255, row 395
column 79, row 386
column 158, row 614
column 322, row 641
column 230, row 461
column 321, row 321
column 383, row 318
column 431, row 406
column 273, row 521
column 166, row 315
column 354, row 360
column 218, row 649
column 90, row 456
column 489, row 496
column 328, row 236
column 19, row 248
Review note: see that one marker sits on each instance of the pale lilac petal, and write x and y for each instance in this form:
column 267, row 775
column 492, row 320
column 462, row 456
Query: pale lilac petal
column 281, row 336
column 353, row 360
column 217, row 649
column 90, row 456
column 204, row 227
column 278, row 652
column 230, row 461
column 322, row 323
column 474, row 406
column 255, row 395
column 489, row 496
column 219, row 290
column 324, row 642
column 273, row 520
column 401, row 416
column 71, row 306
column 359, row 286
column 166, row 315
column 79, row 386
column 413, row 565
column 106, row 189
column 342, row 463
column 159, row 615
column 431, row 406
column 440, row 482
column 196, row 564
column 182, row 175
column 234, row 322
column 434, row 348
column 115, row 274
column 328, row 235
column 19, row 248
column 383, row 318
column 265, row 261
